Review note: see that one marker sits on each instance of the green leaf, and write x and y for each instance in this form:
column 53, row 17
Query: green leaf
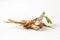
column 48, row 20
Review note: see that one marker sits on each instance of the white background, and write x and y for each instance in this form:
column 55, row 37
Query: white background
column 28, row 9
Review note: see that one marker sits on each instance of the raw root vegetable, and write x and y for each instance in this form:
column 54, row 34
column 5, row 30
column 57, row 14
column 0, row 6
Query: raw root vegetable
column 32, row 24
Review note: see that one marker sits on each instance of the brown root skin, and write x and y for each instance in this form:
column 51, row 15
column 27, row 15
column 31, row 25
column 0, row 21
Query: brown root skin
column 28, row 24
column 16, row 22
column 41, row 25
column 25, row 23
column 35, row 27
